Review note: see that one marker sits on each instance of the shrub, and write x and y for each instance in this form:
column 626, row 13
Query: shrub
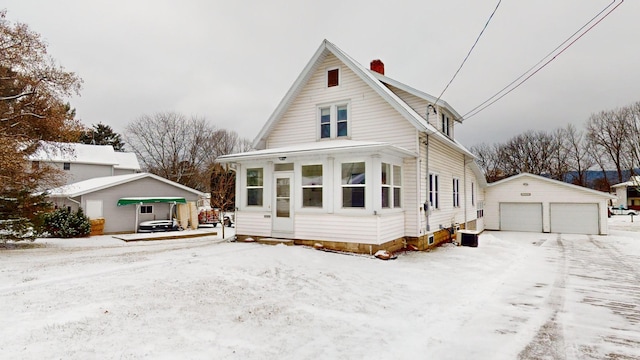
column 64, row 223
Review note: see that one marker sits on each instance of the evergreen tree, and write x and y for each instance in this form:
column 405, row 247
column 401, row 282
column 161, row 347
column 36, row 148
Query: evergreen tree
column 101, row 134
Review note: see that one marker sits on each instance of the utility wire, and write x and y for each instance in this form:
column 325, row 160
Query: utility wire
column 469, row 53
column 489, row 101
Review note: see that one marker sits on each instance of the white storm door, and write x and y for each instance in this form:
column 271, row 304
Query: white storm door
column 283, row 199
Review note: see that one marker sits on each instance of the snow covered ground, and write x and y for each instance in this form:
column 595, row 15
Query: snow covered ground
column 517, row 295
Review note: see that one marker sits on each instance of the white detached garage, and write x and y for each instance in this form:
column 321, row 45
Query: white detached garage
column 533, row 203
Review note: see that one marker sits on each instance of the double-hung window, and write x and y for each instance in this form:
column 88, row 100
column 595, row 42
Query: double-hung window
column 391, row 186
column 456, row 192
column 446, row 124
column 397, row 186
column 312, row 186
column 353, row 185
column 255, row 186
column 434, row 198
column 473, row 194
column 333, row 121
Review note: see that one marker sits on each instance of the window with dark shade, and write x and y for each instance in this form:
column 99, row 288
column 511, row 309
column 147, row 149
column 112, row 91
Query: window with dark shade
column 332, row 78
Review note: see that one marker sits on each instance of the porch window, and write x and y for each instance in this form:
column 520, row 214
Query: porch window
column 255, row 186
column 456, row 192
column 386, row 185
column 312, row 186
column 353, row 185
column 434, row 197
column 397, row 186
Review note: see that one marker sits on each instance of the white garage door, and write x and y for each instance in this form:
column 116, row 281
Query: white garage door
column 574, row 218
column 521, row 217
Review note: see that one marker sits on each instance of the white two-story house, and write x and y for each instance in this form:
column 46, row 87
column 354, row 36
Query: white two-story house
column 79, row 162
column 356, row 161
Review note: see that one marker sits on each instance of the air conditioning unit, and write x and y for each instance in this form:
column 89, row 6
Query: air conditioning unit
column 468, row 238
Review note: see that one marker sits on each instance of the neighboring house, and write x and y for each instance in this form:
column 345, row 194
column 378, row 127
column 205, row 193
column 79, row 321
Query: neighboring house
column 81, row 161
column 144, row 196
column 356, row 161
column 533, row 203
column 628, row 193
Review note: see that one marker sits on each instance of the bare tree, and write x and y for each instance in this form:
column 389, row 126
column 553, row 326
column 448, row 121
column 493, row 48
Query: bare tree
column 173, row 146
column 578, row 159
column 608, row 134
column 489, row 161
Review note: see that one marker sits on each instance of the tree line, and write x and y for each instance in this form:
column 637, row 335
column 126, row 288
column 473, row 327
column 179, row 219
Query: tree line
column 610, row 141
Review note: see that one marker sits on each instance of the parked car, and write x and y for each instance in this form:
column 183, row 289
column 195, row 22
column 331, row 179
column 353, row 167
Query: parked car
column 622, row 211
column 159, row 226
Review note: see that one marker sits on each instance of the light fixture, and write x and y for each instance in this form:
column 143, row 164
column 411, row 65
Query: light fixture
column 282, row 158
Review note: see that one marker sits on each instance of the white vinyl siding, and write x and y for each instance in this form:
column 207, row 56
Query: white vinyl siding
column 370, row 117
column 356, row 229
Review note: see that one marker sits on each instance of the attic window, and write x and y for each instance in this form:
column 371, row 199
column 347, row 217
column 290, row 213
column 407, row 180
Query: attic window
column 332, row 77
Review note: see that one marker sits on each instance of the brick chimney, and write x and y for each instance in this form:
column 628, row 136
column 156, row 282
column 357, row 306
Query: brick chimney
column 377, row 66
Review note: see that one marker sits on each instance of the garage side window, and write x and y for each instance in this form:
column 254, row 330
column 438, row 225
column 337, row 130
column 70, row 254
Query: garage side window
column 146, row 209
column 353, row 185
column 255, row 186
column 312, row 186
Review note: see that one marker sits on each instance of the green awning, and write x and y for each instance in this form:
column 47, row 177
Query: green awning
column 151, row 200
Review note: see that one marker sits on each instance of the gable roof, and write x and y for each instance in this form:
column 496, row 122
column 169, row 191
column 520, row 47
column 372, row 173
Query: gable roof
column 371, row 79
column 551, row 181
column 126, row 161
column 75, row 153
column 91, row 185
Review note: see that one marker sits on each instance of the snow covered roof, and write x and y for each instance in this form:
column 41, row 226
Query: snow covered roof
column 127, row 160
column 633, row 181
column 91, row 185
column 75, row 153
column 320, row 147
column 373, row 81
column 557, row 182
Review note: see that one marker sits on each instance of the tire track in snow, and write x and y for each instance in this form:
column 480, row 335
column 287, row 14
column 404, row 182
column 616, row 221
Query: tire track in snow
column 548, row 343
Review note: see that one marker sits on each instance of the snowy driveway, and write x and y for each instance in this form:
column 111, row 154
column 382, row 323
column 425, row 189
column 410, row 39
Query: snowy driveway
column 518, row 295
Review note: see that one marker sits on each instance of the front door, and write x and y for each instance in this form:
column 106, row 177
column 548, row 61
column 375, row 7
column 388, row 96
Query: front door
column 283, row 210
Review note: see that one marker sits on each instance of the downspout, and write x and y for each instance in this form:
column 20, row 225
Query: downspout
column 464, row 177
column 427, row 205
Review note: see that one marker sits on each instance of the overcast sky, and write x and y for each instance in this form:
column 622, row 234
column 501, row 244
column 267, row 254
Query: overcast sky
column 233, row 61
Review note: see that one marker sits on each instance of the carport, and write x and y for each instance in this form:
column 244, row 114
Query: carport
column 139, row 201
column 533, row 203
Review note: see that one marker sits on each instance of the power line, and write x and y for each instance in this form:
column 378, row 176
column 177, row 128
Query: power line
column 469, row 53
column 489, row 101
